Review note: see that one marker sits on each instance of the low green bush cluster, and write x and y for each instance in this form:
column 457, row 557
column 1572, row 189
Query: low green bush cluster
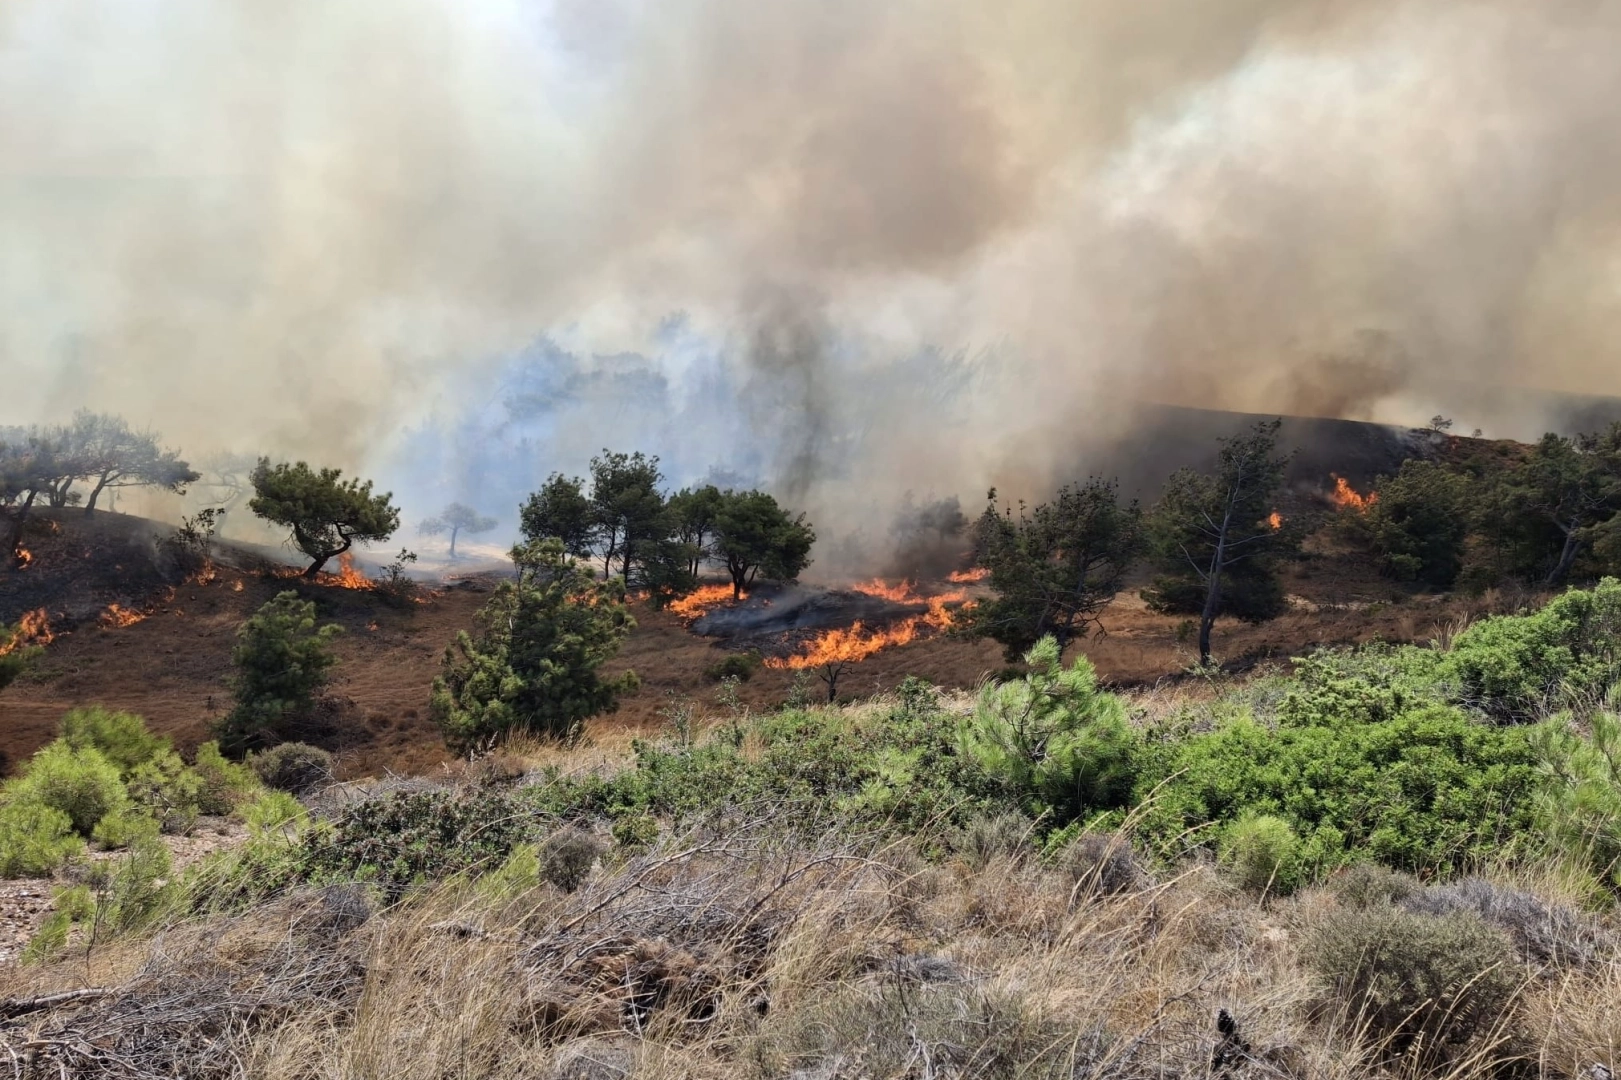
column 107, row 779
column 1519, row 668
column 1359, row 759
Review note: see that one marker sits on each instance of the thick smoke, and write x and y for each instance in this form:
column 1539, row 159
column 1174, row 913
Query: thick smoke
column 842, row 248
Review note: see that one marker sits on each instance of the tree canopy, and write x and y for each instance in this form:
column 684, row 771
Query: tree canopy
column 535, row 663
column 659, row 544
column 753, row 536
column 627, row 506
column 1555, row 505
column 694, row 511
column 327, row 514
column 1055, row 568
column 108, row 453
column 455, row 519
column 1216, row 537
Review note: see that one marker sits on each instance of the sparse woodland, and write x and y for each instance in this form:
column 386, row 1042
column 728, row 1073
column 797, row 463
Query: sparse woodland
column 1391, row 860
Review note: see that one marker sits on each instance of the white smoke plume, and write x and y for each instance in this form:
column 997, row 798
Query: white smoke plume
column 845, row 248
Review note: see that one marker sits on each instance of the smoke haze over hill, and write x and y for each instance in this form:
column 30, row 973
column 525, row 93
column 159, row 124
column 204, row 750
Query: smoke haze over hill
column 842, row 248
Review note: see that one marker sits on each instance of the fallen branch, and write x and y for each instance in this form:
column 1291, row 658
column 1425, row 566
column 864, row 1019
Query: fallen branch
column 15, row 1007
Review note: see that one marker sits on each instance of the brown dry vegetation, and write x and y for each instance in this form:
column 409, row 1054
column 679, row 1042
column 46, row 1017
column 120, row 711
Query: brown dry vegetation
column 735, row 955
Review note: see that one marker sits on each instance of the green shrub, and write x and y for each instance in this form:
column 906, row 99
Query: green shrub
column 272, row 811
column 1580, row 808
column 536, row 663
column 567, row 856
column 121, row 737
column 222, row 784
column 1520, row 667
column 635, row 831
column 734, row 665
column 69, row 907
column 1052, row 739
column 168, row 791
column 295, row 767
column 35, row 839
column 133, row 890
column 1419, row 982
column 1360, row 762
column 282, row 660
column 407, row 838
column 1262, row 853
column 81, row 783
column 124, row 827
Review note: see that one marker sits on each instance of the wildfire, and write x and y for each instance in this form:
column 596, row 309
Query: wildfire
column 34, row 628
column 1346, row 498
column 207, row 575
column 703, row 600
column 899, row 594
column 116, row 617
column 347, row 576
column 855, row 644
column 968, row 577
column 24, row 557
column 1275, row 520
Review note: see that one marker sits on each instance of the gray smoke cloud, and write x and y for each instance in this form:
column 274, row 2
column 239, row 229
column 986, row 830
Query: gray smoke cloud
column 918, row 245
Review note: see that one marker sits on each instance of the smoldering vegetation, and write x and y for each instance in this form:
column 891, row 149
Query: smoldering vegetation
column 926, row 247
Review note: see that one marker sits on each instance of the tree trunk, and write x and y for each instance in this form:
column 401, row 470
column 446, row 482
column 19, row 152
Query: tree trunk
column 22, row 521
column 322, row 560
column 454, row 529
column 1567, row 557
column 90, row 503
column 1212, row 596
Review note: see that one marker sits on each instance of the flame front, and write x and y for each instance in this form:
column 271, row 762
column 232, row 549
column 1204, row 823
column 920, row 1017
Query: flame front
column 1275, row 521
column 116, row 617
column 24, row 557
column 968, row 577
column 855, row 644
column 701, row 601
column 1346, row 498
column 899, row 594
column 34, row 628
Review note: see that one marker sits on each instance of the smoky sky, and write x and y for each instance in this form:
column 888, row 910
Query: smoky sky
column 845, row 248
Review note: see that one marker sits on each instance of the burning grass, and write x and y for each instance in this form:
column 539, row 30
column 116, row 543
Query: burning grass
column 701, row 601
column 33, row 629
column 856, row 643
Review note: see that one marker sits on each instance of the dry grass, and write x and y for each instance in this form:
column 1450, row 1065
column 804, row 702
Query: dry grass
column 733, row 956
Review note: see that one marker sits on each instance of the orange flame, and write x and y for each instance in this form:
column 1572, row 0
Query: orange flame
column 855, row 644
column 236, row 586
column 116, row 617
column 701, row 601
column 1275, row 520
column 968, row 577
column 347, row 576
column 205, row 576
column 24, row 557
column 34, row 628
column 899, row 594
column 1346, row 498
